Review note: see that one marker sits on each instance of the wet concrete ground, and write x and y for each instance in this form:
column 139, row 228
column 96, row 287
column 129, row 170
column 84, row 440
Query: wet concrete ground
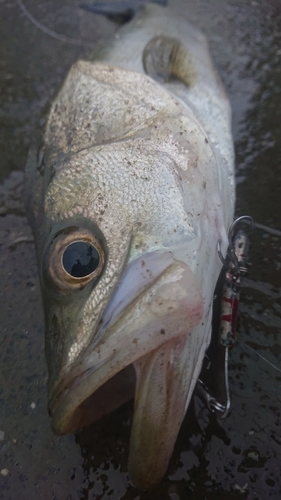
column 237, row 458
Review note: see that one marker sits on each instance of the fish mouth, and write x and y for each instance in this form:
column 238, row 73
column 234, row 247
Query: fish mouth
column 147, row 347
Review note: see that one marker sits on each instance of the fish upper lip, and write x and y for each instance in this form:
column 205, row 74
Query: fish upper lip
column 75, row 386
column 59, row 389
column 68, row 382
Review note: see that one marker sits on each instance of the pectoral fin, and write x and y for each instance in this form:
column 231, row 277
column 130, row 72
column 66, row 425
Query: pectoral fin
column 165, row 58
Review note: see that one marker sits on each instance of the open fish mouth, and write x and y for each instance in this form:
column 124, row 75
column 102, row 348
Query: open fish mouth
column 146, row 346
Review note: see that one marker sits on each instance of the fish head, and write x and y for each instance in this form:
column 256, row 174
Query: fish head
column 127, row 312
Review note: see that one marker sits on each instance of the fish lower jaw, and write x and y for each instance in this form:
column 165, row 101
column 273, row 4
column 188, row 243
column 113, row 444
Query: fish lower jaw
column 149, row 353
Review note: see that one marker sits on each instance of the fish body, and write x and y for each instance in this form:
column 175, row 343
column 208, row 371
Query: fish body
column 127, row 197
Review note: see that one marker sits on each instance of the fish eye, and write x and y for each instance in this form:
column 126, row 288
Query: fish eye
column 80, row 259
column 74, row 258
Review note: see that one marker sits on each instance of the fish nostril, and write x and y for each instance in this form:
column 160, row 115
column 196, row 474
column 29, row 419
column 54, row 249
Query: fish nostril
column 55, row 330
column 50, row 412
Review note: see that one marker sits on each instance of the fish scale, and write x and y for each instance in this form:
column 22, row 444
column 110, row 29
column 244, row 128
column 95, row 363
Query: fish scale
column 153, row 198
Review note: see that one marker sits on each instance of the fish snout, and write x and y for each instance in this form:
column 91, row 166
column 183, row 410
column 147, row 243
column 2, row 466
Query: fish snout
column 144, row 348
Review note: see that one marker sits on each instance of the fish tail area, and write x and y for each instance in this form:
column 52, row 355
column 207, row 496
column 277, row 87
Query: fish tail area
column 165, row 382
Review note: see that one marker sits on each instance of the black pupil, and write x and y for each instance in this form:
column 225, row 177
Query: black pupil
column 80, row 259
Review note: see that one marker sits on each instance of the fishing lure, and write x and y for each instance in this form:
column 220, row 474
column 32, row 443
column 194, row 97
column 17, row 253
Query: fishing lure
column 227, row 296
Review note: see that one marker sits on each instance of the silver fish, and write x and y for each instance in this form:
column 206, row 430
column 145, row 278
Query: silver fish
column 128, row 196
